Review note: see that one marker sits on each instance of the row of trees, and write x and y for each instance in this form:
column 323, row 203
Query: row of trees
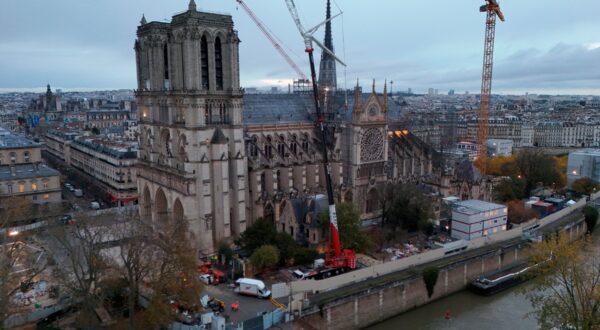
column 404, row 207
column 525, row 171
column 93, row 272
column 268, row 248
column 106, row 262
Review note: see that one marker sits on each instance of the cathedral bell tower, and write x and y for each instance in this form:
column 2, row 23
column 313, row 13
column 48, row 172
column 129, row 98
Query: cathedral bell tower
column 192, row 163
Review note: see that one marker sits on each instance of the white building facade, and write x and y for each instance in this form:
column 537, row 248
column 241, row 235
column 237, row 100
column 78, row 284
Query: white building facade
column 583, row 164
column 499, row 147
column 474, row 218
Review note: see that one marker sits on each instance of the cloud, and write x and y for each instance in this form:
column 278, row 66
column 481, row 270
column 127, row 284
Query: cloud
column 562, row 67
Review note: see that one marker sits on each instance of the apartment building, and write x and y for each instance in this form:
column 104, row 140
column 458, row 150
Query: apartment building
column 110, row 163
column 22, row 173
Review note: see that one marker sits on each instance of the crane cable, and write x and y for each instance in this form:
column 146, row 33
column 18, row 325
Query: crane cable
column 344, row 53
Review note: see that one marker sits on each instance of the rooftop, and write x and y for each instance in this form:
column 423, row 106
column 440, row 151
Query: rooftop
column 26, row 171
column 9, row 140
column 584, row 152
column 474, row 206
column 261, row 109
column 117, row 149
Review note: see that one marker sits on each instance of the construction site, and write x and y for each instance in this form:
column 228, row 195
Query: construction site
column 313, row 209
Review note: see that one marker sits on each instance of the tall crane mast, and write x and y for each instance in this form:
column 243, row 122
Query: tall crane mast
column 271, row 38
column 492, row 9
column 345, row 258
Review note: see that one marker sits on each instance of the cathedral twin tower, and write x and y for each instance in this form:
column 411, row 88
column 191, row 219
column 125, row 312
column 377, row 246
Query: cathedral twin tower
column 205, row 163
column 192, row 159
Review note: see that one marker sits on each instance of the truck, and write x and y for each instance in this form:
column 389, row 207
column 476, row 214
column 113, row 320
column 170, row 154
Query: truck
column 252, row 287
column 95, row 205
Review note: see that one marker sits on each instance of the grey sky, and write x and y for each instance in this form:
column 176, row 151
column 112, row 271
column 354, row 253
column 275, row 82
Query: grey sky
column 544, row 46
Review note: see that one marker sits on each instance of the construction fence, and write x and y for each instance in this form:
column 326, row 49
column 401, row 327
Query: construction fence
column 419, row 259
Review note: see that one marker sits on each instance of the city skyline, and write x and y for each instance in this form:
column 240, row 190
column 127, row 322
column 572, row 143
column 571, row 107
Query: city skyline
column 86, row 46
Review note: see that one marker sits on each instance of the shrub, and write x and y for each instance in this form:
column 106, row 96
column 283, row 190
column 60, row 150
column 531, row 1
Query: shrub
column 430, row 276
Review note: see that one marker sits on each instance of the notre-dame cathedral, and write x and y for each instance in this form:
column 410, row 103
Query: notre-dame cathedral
column 219, row 159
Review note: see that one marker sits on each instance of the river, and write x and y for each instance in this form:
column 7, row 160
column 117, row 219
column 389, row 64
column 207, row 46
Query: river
column 504, row 311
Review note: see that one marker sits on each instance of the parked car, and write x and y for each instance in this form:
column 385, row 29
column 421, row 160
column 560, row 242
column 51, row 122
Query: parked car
column 78, row 192
column 67, row 219
column 95, row 205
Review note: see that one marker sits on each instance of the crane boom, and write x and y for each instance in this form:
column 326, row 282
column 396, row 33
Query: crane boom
column 345, row 258
column 492, row 10
column 270, row 37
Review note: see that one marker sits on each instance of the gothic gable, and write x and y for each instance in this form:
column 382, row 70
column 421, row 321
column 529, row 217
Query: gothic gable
column 373, row 110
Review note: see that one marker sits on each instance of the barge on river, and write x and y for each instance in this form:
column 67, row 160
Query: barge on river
column 501, row 280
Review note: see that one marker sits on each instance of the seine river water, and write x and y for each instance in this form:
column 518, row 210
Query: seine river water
column 504, row 311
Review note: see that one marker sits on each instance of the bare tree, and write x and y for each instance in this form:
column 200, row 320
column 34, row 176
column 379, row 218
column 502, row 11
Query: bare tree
column 173, row 277
column 19, row 263
column 82, row 266
column 137, row 257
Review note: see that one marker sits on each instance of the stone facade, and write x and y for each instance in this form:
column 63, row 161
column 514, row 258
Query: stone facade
column 192, row 161
column 219, row 159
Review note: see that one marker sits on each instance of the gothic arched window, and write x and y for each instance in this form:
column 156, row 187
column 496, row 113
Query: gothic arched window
column 166, row 61
column 219, row 64
column 268, row 148
column 204, row 62
column 254, row 147
column 294, row 145
column 305, row 143
column 281, row 147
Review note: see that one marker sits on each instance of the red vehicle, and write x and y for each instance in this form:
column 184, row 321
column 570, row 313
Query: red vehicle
column 215, row 276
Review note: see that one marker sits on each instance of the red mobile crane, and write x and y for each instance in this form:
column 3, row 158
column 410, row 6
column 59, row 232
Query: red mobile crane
column 338, row 259
column 274, row 42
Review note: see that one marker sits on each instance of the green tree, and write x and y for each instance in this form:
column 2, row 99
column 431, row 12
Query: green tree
column 535, row 167
column 265, row 257
column 261, row 232
column 348, row 221
column 585, row 186
column 591, row 217
column 509, row 189
column 386, row 198
column 410, row 209
column 305, row 256
column 287, row 247
column 565, row 292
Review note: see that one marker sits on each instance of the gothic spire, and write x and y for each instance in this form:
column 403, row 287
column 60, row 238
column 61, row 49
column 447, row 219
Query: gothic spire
column 385, row 96
column 143, row 21
column 192, row 5
column 357, row 98
column 327, row 72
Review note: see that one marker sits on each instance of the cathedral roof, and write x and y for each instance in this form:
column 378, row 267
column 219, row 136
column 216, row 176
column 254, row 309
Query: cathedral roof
column 466, row 171
column 265, row 109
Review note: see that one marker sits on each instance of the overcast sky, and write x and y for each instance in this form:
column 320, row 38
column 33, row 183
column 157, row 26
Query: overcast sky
column 544, row 46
